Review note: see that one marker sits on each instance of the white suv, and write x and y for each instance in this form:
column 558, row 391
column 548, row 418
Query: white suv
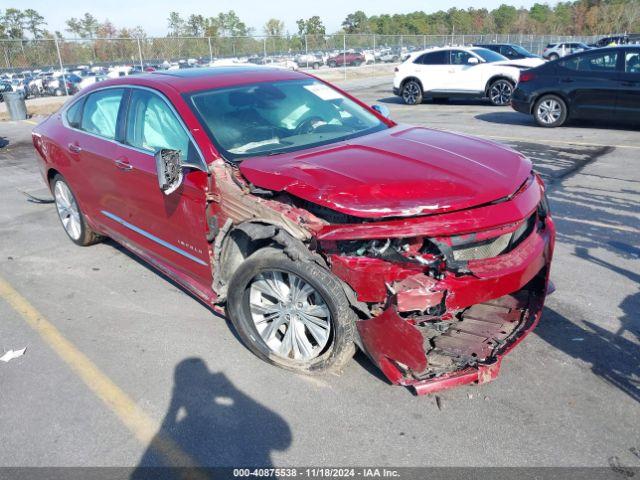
column 470, row 72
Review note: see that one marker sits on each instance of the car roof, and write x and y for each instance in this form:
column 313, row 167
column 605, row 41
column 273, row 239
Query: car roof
column 196, row 79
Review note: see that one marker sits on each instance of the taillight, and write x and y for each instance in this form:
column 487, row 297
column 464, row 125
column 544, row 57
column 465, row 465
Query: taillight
column 526, row 76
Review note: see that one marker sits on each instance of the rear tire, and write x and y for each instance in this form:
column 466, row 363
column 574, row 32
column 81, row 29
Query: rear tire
column 332, row 64
column 412, row 92
column 71, row 217
column 554, row 56
column 270, row 267
column 550, row 111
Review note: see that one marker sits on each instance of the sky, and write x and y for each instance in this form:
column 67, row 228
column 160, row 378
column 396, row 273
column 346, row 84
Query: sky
column 152, row 16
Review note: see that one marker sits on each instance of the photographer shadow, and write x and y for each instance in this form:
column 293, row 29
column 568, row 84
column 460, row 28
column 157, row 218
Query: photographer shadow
column 210, row 423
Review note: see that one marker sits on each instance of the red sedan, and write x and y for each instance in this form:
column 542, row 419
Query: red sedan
column 314, row 221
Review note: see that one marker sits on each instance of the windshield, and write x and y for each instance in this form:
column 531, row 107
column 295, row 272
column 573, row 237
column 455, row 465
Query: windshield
column 522, row 51
column 272, row 118
column 489, row 55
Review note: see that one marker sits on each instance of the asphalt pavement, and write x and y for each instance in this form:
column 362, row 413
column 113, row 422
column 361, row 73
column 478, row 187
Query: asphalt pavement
column 119, row 358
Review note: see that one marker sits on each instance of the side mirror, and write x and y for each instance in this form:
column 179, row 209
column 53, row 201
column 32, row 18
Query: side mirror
column 382, row 110
column 473, row 61
column 169, row 169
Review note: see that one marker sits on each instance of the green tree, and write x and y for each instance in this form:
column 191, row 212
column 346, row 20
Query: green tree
column 311, row 26
column 34, row 23
column 274, row 27
column 504, row 17
column 195, row 25
column 13, row 23
column 175, row 24
column 356, row 22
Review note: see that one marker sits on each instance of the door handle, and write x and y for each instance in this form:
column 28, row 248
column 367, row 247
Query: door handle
column 123, row 164
column 74, row 148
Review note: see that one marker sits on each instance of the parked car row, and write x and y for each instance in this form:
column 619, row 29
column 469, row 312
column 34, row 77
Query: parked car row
column 600, row 84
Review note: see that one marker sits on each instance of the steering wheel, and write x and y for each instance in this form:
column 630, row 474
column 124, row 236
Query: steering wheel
column 309, row 124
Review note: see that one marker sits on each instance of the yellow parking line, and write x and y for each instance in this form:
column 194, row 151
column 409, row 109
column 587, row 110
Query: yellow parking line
column 31, row 122
column 136, row 420
column 561, row 142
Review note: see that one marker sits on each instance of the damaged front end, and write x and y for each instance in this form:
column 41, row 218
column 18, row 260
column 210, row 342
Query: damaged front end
column 452, row 293
column 439, row 298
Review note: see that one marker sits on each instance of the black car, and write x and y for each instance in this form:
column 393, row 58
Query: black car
column 602, row 84
column 509, row 50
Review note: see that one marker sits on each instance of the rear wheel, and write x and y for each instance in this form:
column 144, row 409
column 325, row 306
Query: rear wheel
column 554, row 56
column 500, row 92
column 412, row 92
column 294, row 315
column 332, row 64
column 550, row 111
column 72, row 219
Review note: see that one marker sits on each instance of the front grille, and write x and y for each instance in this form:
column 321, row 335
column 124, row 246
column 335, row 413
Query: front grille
column 494, row 246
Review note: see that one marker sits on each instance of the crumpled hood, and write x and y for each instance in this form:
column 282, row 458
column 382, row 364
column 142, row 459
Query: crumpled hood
column 398, row 172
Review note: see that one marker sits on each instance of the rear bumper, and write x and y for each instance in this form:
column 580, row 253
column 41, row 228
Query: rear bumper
column 486, row 314
column 521, row 106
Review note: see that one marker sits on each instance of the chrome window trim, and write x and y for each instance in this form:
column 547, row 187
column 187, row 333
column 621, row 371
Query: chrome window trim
column 63, row 115
column 153, row 238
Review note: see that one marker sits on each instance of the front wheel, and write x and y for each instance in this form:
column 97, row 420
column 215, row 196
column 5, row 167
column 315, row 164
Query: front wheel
column 73, row 220
column 294, row 315
column 550, row 111
column 412, row 93
column 500, row 92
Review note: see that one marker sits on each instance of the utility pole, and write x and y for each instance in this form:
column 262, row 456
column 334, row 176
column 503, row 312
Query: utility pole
column 64, row 78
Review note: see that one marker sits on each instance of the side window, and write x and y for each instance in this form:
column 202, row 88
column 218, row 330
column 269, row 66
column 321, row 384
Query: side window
column 433, row 58
column 593, row 62
column 74, row 114
column 508, row 52
column 100, row 114
column 459, row 57
column 151, row 125
column 632, row 62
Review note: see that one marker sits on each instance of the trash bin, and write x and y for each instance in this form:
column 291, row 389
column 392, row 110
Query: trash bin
column 15, row 105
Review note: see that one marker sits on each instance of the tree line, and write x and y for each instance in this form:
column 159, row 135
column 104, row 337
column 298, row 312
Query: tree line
column 580, row 17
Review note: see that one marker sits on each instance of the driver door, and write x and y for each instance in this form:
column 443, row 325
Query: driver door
column 170, row 228
column 464, row 76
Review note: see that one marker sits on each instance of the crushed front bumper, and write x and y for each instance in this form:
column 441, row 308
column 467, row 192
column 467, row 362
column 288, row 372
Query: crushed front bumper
column 483, row 313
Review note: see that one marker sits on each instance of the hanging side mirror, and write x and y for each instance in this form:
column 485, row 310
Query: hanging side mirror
column 169, row 169
column 382, row 110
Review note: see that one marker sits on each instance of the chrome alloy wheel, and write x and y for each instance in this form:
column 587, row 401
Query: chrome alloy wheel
column 67, row 210
column 289, row 314
column 500, row 92
column 549, row 111
column 410, row 93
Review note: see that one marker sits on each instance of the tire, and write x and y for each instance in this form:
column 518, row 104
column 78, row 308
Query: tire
column 72, row 219
column 412, row 92
column 316, row 66
column 499, row 92
column 332, row 64
column 263, row 266
column 357, row 63
column 550, row 111
column 554, row 56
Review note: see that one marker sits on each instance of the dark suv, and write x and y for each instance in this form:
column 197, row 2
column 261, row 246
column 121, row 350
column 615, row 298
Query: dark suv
column 509, row 50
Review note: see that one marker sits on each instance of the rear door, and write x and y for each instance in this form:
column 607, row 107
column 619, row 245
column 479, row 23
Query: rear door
column 591, row 81
column 628, row 100
column 171, row 228
column 432, row 70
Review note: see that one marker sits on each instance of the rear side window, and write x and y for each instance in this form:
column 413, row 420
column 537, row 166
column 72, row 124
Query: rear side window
column 433, row 58
column 592, row 62
column 100, row 114
column 632, row 62
column 152, row 125
column 74, row 114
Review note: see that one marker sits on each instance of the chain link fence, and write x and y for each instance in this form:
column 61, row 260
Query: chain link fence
column 308, row 51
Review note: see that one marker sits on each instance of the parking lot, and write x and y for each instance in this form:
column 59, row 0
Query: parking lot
column 116, row 352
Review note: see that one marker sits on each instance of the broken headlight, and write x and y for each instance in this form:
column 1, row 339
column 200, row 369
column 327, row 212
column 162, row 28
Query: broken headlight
column 412, row 250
